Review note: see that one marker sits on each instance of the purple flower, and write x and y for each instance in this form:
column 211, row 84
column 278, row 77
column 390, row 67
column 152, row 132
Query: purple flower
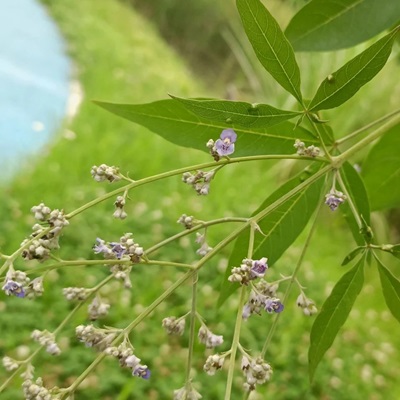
column 142, row 371
column 118, row 249
column 15, row 288
column 259, row 268
column 225, row 145
column 114, row 248
column 333, row 202
column 273, row 305
column 100, row 247
column 334, row 199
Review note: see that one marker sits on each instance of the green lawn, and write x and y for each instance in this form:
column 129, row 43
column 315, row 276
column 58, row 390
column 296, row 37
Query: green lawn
column 119, row 57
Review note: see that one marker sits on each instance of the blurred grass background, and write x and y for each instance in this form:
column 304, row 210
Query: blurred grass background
column 136, row 52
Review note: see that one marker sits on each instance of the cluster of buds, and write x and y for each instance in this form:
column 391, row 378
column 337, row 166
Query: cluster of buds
column 208, row 338
column 95, row 337
column 200, row 181
column 105, row 173
column 213, row 364
column 249, row 270
column 36, row 391
column 256, row 372
column 97, row 309
column 187, row 221
column 174, row 326
column 334, row 198
column 262, row 298
column 76, row 293
column 188, row 392
column 122, row 273
column 39, row 249
column 35, row 288
column 119, row 208
column 124, row 353
column 302, row 150
column 224, row 146
column 306, row 304
column 41, row 212
column 46, row 339
column 204, row 247
column 9, row 363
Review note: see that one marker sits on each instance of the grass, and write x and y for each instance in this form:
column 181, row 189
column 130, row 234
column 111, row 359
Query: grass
column 119, row 57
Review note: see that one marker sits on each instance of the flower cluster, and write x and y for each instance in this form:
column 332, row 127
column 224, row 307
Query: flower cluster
column 105, row 173
column 18, row 284
column 9, row 363
column 306, row 304
column 124, row 353
column 47, row 237
column 187, row 221
column 125, row 250
column 46, row 339
column 76, row 293
column 249, row 270
column 200, row 181
column 174, row 326
column 95, row 337
column 256, row 372
column 204, row 247
column 302, row 150
column 35, row 288
column 262, row 297
column 119, row 208
column 208, row 338
column 224, row 146
column 41, row 212
column 334, row 198
column 97, row 309
column 213, row 364
column 15, row 283
column 36, row 391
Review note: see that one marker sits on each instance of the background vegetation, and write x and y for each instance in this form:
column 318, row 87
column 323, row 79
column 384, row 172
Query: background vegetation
column 193, row 49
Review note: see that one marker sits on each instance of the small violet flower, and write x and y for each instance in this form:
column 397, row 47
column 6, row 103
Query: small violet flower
column 259, row 268
column 100, row 247
column 118, row 249
column 13, row 288
column 225, row 145
column 273, row 305
column 334, row 198
column 142, row 371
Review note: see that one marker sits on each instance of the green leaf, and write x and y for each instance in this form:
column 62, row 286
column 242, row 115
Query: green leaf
column 270, row 45
column 237, row 113
column 323, row 25
column 391, row 289
column 381, row 171
column 333, row 314
column 172, row 121
column 356, row 189
column 280, row 227
column 346, row 81
column 352, row 255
